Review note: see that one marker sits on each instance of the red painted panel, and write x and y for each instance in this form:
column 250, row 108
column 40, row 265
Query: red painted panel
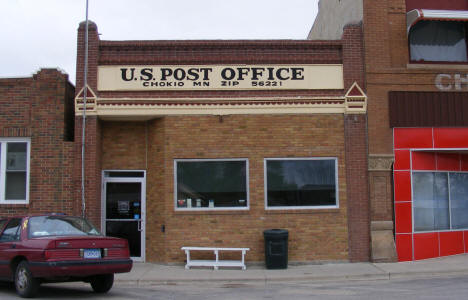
column 404, row 247
column 448, row 161
column 465, row 238
column 405, row 138
column 402, row 183
column 464, row 162
column 403, row 218
column 451, row 137
column 402, row 160
column 451, row 243
column 423, row 160
column 436, row 4
column 426, row 245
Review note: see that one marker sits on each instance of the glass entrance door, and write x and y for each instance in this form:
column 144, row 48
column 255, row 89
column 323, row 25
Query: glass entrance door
column 125, row 211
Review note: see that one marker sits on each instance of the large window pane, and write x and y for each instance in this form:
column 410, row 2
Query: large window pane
column 303, row 183
column 438, row 41
column 430, row 201
column 211, row 184
column 459, row 200
column 15, row 188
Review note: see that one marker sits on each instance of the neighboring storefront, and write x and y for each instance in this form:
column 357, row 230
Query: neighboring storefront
column 209, row 143
column 417, row 123
column 36, row 144
column 415, row 57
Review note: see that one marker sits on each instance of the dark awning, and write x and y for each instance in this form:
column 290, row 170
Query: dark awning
column 428, row 109
column 415, row 15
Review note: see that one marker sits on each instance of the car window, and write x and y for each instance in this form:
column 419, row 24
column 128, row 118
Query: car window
column 59, row 226
column 12, row 231
column 2, row 223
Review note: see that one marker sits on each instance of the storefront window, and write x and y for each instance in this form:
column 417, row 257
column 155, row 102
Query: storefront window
column 440, row 201
column 14, row 173
column 459, row 200
column 301, row 183
column 211, row 184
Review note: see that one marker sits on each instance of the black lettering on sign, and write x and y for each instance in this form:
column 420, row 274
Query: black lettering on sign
column 242, row 72
column 165, row 72
column 228, row 74
column 206, row 71
column 192, row 74
column 279, row 74
column 297, row 74
column 204, row 83
column 257, row 72
column 126, row 76
column 146, row 74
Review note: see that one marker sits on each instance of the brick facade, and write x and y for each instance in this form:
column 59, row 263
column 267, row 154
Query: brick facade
column 41, row 108
column 152, row 144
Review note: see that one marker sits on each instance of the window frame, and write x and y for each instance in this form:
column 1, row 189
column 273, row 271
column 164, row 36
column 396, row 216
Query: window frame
column 265, row 185
column 247, row 181
column 3, row 156
column 450, row 229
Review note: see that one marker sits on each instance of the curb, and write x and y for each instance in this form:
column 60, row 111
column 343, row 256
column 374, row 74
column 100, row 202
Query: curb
column 361, row 277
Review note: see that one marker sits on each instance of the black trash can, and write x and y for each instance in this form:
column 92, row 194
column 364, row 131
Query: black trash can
column 276, row 248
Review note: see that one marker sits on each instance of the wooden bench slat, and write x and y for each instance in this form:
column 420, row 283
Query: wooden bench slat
column 215, row 248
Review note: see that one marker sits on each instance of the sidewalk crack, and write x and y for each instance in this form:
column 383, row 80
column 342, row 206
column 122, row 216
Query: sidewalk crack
column 382, row 270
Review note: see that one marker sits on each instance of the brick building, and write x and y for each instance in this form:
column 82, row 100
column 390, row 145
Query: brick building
column 36, row 144
column 415, row 57
column 209, row 143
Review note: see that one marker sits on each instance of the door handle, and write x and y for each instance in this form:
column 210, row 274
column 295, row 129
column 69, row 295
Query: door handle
column 13, row 246
column 139, row 226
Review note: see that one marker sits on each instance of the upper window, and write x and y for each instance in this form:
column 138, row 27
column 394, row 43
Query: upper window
column 211, row 184
column 440, row 201
column 14, row 171
column 301, row 183
column 438, row 41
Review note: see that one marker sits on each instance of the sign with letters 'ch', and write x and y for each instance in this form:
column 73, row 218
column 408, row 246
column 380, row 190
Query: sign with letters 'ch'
column 210, row 77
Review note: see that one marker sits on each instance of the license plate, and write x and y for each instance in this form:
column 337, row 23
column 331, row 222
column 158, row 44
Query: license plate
column 92, row 253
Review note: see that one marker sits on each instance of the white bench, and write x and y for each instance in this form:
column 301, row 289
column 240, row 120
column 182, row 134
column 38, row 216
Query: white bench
column 216, row 262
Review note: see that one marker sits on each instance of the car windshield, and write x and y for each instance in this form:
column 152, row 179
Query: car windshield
column 60, row 226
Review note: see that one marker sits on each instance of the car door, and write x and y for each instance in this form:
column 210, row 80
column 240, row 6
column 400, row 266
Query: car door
column 9, row 238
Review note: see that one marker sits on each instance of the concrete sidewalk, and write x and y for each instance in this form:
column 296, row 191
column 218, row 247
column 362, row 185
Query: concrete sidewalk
column 148, row 273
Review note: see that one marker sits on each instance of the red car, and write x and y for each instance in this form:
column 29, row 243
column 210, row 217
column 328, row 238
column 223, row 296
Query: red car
column 58, row 248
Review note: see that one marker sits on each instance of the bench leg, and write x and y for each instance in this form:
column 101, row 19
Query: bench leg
column 217, row 259
column 243, row 261
column 187, row 265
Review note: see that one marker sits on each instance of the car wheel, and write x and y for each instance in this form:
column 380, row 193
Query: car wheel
column 102, row 283
column 26, row 285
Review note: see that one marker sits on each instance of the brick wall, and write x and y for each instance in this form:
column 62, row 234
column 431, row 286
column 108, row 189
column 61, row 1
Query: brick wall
column 314, row 234
column 357, row 191
column 37, row 108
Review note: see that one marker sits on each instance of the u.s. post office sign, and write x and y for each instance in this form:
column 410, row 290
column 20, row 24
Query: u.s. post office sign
column 216, row 77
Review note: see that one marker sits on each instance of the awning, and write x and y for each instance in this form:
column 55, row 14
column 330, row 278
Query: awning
column 415, row 15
